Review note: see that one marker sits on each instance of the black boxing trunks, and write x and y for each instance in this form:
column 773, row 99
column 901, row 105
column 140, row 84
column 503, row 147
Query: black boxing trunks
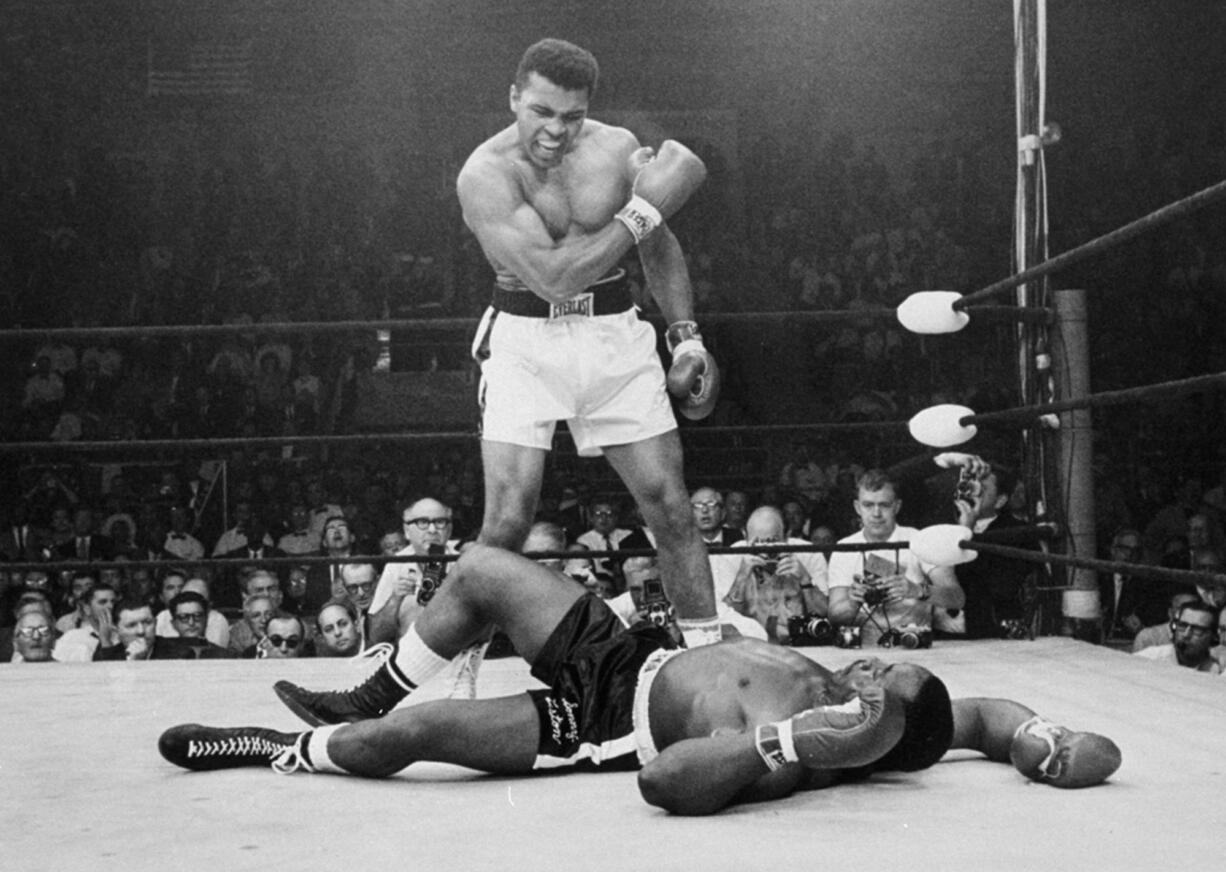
column 591, row 664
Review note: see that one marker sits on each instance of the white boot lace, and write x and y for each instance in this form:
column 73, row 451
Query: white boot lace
column 291, row 759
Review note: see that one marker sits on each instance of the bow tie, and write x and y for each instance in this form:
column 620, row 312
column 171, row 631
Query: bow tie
column 178, row 535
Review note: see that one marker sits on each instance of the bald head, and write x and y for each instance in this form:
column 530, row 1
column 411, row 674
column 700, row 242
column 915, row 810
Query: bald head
column 765, row 524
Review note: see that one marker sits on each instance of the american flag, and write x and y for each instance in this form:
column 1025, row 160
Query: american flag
column 200, row 69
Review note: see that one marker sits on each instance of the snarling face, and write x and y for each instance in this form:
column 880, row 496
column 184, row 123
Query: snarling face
column 548, row 119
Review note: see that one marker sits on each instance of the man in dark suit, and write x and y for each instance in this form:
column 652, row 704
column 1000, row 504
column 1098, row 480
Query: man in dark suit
column 324, row 581
column 86, row 544
column 1130, row 604
column 708, row 507
column 257, row 550
column 20, row 540
column 996, row 587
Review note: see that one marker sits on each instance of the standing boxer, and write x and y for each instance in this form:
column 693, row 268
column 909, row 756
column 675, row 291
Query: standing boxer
column 556, row 200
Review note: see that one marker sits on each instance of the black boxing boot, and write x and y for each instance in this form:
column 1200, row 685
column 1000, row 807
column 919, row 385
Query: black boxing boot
column 200, row 748
column 373, row 698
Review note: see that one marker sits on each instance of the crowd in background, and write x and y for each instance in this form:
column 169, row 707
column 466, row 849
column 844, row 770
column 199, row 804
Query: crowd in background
column 355, row 507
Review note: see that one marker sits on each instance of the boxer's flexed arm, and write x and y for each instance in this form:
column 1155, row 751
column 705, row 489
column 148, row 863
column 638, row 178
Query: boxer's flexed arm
column 702, row 776
column 513, row 234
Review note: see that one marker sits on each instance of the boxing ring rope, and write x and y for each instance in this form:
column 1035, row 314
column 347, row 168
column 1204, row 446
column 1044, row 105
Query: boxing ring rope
column 963, row 425
column 404, row 436
column 440, row 325
column 1133, row 570
column 1165, row 215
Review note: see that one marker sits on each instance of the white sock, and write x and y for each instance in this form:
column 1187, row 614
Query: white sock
column 317, row 750
column 700, row 632
column 416, row 661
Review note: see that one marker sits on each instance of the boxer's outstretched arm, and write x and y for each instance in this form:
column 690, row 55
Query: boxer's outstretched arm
column 1009, row 732
column 702, row 776
column 987, row 725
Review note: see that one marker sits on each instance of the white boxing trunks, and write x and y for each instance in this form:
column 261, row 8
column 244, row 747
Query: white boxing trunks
column 643, row 741
column 599, row 373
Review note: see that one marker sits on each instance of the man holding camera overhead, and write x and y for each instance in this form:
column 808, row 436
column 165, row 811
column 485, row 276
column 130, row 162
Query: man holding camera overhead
column 888, row 593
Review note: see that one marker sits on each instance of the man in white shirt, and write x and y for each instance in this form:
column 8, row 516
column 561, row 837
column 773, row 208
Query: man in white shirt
column 1194, row 632
column 772, row 587
column 631, row 606
column 79, row 645
column 180, row 543
column 216, row 628
column 888, row 589
column 604, row 535
column 427, row 522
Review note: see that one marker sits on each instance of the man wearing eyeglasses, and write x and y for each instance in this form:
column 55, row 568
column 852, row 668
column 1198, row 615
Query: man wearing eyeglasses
column 399, row 596
column 360, row 581
column 286, row 638
column 33, row 638
column 1194, row 632
column 707, row 506
column 604, row 535
column 189, row 615
column 426, row 522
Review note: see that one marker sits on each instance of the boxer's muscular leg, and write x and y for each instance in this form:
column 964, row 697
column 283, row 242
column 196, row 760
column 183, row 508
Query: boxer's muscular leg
column 513, row 477
column 491, row 735
column 651, row 470
column 487, row 587
column 491, row 587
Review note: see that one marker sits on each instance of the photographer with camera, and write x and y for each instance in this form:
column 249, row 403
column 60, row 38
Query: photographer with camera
column 888, row 593
column 784, row 593
column 995, row 586
column 645, row 600
column 404, row 588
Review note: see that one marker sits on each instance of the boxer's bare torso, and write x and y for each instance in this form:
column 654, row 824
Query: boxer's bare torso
column 547, row 181
column 734, row 687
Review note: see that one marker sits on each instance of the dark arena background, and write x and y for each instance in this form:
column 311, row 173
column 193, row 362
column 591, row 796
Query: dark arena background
column 229, row 232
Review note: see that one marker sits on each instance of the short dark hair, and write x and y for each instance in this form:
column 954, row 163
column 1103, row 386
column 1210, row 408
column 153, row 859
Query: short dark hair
column 187, row 596
column 873, row 480
column 281, row 615
column 563, row 63
column 1006, row 478
column 99, row 587
column 1197, row 605
column 130, row 604
column 928, row 734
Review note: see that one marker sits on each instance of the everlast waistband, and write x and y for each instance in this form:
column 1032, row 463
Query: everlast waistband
column 607, row 297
